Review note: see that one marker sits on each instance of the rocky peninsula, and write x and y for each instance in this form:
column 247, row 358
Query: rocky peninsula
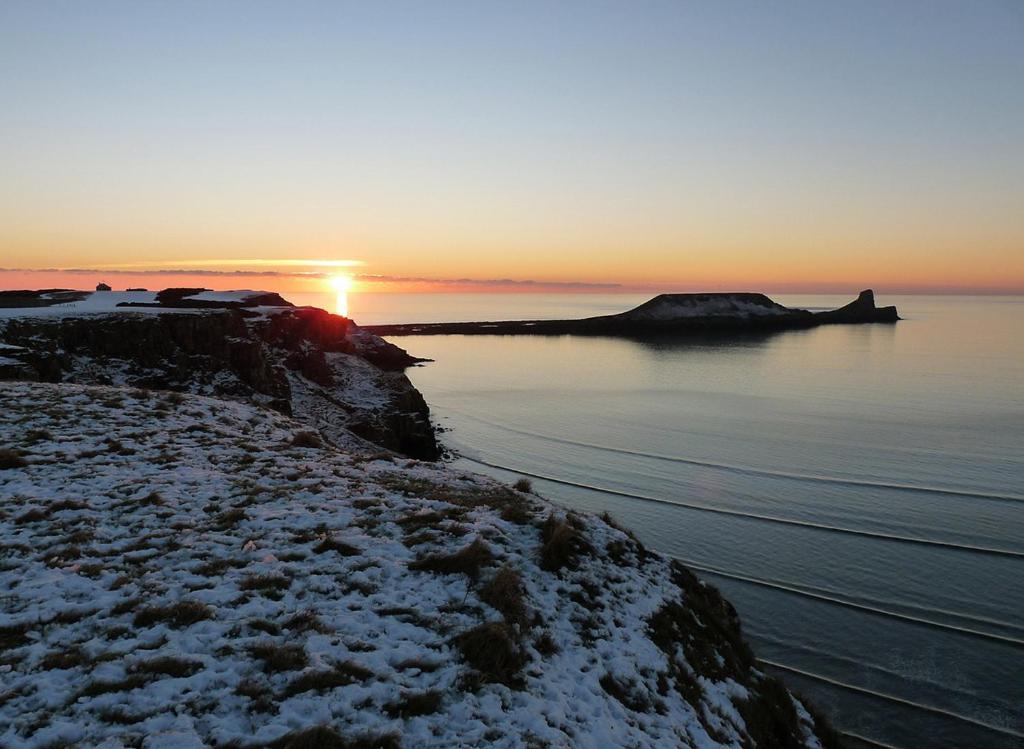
column 672, row 315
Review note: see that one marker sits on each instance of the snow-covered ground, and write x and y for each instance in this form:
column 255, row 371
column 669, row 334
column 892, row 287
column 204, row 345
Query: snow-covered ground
column 106, row 302
column 185, row 571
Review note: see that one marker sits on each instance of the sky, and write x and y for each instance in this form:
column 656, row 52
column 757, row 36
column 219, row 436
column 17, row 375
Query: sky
column 513, row 146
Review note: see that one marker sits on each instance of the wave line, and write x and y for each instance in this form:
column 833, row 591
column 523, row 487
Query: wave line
column 747, row 470
column 1017, row 642
column 900, row 700
column 763, row 518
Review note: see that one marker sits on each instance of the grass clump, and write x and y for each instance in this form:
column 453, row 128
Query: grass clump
column 266, row 584
column 341, row 675
column 562, row 543
column 11, row 459
column 307, row 439
column 411, row 704
column 304, row 621
column 523, row 485
column 14, row 636
column 177, row 668
column 628, row 695
column 505, row 593
column 277, row 658
column 467, row 560
column 228, row 519
column 492, row 651
column 128, row 683
column 340, row 547
column 178, row 615
column 32, row 516
column 61, row 659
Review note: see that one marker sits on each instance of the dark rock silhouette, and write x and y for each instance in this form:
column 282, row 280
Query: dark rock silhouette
column 860, row 310
column 671, row 315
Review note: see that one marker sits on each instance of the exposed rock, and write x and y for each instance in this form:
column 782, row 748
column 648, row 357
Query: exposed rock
column 860, row 310
column 303, row 361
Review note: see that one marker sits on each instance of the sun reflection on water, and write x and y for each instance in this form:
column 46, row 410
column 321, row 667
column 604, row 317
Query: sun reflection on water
column 342, row 285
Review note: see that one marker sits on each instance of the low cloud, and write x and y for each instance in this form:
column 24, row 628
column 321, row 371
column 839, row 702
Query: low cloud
column 363, row 277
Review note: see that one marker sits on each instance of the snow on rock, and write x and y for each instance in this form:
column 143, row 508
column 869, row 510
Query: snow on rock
column 679, row 306
column 183, row 571
column 317, row 366
column 95, row 303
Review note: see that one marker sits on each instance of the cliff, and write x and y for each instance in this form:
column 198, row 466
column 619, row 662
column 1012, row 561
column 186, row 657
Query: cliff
column 184, row 571
column 253, row 346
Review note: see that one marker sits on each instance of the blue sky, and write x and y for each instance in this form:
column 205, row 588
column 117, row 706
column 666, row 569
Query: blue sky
column 598, row 140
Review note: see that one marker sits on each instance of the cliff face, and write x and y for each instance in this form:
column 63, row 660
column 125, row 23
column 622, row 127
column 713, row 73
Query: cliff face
column 304, row 362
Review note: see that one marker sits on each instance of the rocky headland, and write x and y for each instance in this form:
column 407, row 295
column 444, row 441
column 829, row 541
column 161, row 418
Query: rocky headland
column 672, row 315
column 252, row 346
column 193, row 555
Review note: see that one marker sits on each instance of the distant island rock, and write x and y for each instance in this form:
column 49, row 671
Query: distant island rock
column 671, row 314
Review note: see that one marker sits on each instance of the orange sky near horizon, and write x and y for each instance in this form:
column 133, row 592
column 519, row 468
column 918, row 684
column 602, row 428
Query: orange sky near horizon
column 668, row 146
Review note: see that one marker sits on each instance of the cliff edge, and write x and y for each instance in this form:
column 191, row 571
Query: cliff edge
column 253, row 346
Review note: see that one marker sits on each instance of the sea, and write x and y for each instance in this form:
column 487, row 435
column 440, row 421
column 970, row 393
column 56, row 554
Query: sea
column 857, row 492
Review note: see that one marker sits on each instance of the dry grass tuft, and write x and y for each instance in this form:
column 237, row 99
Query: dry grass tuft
column 304, row 621
column 467, row 560
column 61, row 659
column 32, row 516
column 562, row 543
column 491, row 649
column 505, row 593
column 340, row 547
column 179, row 615
column 341, row 675
column 11, row 459
column 411, row 704
column 269, row 585
column 128, row 683
column 628, row 694
column 307, row 439
column 277, row 658
column 523, row 485
column 177, row 668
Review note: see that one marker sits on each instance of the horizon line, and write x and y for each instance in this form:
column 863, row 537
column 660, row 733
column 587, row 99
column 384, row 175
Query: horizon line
column 498, row 285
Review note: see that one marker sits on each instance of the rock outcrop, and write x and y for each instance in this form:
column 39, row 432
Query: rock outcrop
column 301, row 361
column 860, row 310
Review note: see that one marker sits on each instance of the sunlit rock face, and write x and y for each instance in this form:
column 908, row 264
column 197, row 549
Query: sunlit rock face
column 251, row 346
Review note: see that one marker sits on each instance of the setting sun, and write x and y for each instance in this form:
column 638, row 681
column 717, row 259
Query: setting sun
column 342, row 285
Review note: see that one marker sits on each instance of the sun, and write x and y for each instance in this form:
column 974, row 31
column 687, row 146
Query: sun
column 342, row 286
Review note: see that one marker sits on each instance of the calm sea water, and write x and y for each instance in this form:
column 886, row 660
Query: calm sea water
column 856, row 491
